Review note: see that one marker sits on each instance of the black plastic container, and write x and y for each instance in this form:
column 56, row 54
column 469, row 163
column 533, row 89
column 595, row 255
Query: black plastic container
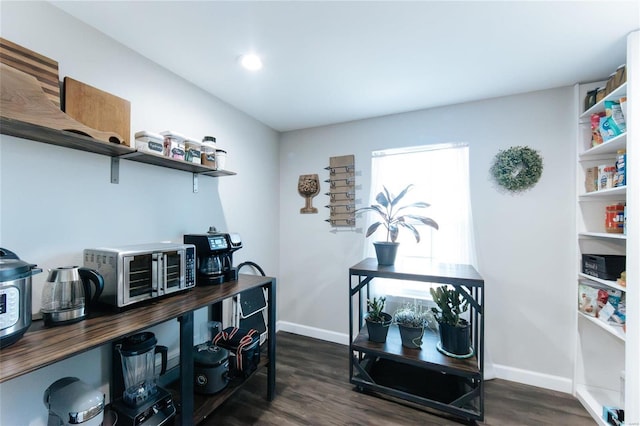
column 603, row 266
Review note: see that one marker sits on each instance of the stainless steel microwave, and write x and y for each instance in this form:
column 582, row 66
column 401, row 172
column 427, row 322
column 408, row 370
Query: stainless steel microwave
column 137, row 273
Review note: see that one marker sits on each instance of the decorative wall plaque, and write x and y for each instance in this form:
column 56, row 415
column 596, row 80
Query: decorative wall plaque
column 342, row 194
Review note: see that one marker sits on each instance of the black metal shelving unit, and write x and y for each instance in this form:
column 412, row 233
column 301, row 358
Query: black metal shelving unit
column 422, row 377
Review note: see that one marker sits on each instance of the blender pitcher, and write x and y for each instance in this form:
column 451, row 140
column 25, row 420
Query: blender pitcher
column 138, row 355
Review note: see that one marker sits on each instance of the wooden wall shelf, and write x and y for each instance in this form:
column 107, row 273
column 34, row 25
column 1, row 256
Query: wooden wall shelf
column 80, row 142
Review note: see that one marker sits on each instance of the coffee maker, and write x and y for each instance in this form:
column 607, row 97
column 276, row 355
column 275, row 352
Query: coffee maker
column 138, row 398
column 214, row 256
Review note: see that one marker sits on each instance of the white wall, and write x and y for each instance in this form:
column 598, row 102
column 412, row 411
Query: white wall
column 55, row 201
column 522, row 240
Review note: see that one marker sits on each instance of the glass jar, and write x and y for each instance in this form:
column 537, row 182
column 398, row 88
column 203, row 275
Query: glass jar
column 192, row 151
column 208, row 154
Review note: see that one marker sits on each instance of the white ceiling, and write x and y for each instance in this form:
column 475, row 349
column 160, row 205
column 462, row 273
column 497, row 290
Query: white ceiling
column 331, row 61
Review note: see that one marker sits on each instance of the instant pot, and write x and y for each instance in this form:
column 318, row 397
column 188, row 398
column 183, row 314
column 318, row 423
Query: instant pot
column 211, row 368
column 15, row 296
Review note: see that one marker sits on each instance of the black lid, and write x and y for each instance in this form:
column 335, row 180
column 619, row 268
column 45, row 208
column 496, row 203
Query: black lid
column 208, row 355
column 209, row 139
column 12, row 268
column 138, row 343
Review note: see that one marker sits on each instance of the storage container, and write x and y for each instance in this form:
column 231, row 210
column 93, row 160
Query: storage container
column 208, row 154
column 192, row 151
column 173, row 144
column 603, row 266
column 221, row 159
column 151, row 143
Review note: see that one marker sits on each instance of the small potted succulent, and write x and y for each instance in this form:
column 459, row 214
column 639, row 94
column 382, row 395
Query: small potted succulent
column 393, row 216
column 378, row 322
column 411, row 320
column 455, row 336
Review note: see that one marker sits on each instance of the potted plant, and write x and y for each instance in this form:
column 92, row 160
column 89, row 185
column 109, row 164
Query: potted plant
column 378, row 322
column 454, row 330
column 393, row 216
column 411, row 320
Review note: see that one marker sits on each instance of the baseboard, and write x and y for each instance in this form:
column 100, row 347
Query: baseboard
column 527, row 377
column 316, row 333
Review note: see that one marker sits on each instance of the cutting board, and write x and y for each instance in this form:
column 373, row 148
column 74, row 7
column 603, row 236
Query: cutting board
column 23, row 99
column 97, row 109
column 44, row 69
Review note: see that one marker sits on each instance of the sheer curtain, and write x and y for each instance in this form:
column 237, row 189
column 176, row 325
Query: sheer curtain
column 440, row 175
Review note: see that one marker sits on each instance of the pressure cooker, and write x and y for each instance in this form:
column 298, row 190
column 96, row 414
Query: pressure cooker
column 15, row 296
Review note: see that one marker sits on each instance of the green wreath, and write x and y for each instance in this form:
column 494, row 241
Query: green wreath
column 517, row 168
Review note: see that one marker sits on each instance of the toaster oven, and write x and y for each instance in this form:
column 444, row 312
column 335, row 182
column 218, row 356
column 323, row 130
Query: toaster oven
column 138, row 273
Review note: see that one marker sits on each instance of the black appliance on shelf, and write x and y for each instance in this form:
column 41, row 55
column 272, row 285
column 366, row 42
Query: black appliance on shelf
column 214, row 256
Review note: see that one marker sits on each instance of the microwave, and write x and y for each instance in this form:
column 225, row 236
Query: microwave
column 137, row 273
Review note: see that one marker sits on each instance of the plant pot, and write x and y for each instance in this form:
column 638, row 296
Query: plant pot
column 378, row 330
column 386, row 252
column 411, row 336
column 455, row 339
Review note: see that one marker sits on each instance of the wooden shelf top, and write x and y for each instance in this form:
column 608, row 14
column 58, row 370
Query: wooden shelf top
column 419, row 269
column 42, row 346
column 426, row 357
column 21, row 129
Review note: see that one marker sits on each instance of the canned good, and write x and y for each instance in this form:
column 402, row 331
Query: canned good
column 614, row 218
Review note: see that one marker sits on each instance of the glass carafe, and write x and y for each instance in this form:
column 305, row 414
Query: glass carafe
column 137, row 354
column 211, row 265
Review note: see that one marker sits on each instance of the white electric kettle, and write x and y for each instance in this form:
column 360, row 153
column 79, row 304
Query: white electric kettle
column 72, row 402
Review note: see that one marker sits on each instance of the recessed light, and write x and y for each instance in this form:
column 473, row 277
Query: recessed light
column 251, row 61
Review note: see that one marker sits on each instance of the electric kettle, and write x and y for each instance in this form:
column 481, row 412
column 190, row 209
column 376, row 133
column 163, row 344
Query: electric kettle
column 70, row 401
column 66, row 295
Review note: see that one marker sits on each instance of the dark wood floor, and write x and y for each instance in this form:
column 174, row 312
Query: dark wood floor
column 313, row 389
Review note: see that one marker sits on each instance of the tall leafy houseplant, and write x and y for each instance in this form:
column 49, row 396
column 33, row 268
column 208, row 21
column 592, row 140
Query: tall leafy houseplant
column 394, row 216
column 454, row 330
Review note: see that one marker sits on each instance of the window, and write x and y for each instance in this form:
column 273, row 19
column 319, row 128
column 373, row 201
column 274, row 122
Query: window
column 440, row 174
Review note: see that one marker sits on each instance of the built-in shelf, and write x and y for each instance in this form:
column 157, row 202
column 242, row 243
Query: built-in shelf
column 599, row 107
column 613, row 330
column 604, row 235
column 618, row 192
column 607, row 283
column 594, row 399
column 607, row 148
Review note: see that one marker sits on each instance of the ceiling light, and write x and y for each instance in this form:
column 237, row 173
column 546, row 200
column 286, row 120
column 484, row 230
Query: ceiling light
column 251, row 61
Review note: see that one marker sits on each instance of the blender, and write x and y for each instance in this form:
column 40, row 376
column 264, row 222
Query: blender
column 142, row 401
